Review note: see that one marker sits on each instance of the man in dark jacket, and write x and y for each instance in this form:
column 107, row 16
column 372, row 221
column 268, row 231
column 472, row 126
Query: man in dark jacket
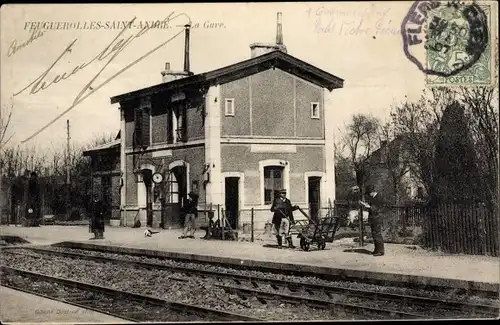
column 373, row 204
column 97, row 222
column 190, row 210
column 33, row 201
column 282, row 217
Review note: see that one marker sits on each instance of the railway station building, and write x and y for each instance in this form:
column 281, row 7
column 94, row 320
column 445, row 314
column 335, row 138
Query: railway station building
column 235, row 136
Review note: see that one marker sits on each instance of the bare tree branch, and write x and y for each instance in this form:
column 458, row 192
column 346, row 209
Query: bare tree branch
column 5, row 119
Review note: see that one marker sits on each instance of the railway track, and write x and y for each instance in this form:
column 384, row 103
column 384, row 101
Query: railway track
column 121, row 304
column 351, row 300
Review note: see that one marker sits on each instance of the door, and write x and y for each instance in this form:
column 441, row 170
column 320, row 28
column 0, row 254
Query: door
column 148, row 182
column 232, row 201
column 314, row 197
column 106, row 195
column 175, row 191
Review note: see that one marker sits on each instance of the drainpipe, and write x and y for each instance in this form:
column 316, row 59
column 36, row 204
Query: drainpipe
column 123, row 169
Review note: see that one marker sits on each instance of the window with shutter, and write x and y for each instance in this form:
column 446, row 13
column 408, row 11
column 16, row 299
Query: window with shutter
column 146, row 127
column 182, row 124
column 170, row 125
column 138, row 128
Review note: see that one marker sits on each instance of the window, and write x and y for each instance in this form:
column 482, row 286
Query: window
column 142, row 129
column 229, row 107
column 273, row 182
column 410, row 191
column 315, row 110
column 194, row 186
column 172, row 189
column 177, row 123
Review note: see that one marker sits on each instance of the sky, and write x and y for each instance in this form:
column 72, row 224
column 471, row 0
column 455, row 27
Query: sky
column 359, row 42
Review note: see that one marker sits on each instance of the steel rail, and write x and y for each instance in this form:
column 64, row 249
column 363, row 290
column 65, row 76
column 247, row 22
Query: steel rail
column 322, row 303
column 182, row 307
column 295, row 285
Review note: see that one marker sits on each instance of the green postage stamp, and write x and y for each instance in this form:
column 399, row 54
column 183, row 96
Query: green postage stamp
column 451, row 42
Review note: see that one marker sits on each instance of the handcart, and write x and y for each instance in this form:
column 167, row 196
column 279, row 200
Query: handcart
column 318, row 233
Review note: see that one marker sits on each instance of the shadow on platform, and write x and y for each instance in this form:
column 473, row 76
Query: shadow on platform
column 358, row 250
column 274, row 246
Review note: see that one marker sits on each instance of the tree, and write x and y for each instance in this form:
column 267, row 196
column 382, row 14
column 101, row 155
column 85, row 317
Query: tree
column 395, row 158
column 483, row 121
column 361, row 139
column 5, row 117
column 456, row 175
column 418, row 123
column 344, row 177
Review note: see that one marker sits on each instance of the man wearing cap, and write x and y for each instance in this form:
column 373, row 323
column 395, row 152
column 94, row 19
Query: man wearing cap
column 282, row 208
column 97, row 222
column 191, row 211
column 373, row 204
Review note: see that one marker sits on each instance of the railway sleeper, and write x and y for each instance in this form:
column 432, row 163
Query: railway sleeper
column 363, row 294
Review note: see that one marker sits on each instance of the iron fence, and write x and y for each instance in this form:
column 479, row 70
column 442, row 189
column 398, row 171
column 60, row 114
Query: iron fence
column 453, row 227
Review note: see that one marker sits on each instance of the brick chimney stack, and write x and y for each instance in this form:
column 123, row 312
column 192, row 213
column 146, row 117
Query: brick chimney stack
column 171, row 75
column 258, row 49
column 279, row 31
column 186, row 49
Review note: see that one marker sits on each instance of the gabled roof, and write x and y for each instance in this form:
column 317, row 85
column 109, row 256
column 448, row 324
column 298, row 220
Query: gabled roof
column 243, row 69
column 396, row 146
column 106, row 146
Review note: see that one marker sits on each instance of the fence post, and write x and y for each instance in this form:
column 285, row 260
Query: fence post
column 251, row 225
column 360, row 218
column 222, row 222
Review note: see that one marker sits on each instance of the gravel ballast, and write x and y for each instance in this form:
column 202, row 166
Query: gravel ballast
column 196, row 290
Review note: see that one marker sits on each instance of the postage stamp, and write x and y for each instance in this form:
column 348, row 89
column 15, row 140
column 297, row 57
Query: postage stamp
column 450, row 42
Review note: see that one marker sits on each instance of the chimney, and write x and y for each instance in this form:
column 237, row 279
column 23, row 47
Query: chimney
column 257, row 49
column 279, row 31
column 169, row 75
column 186, row 49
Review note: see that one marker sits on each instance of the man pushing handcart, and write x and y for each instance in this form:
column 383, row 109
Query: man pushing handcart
column 282, row 218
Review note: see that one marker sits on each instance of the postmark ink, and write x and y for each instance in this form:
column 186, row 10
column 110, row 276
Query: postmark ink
column 445, row 38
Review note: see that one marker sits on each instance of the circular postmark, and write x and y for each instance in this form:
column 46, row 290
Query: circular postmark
column 444, row 38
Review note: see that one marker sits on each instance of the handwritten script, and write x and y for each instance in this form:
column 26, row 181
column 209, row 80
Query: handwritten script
column 368, row 20
column 110, row 52
column 15, row 47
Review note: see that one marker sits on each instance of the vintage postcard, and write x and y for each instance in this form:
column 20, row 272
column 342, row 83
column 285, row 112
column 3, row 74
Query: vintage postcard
column 285, row 161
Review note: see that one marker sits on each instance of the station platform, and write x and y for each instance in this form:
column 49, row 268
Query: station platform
column 17, row 307
column 403, row 263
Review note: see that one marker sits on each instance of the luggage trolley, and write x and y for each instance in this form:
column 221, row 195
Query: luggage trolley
column 318, row 232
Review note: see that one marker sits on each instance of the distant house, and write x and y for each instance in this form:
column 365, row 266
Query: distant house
column 106, row 178
column 234, row 135
column 392, row 172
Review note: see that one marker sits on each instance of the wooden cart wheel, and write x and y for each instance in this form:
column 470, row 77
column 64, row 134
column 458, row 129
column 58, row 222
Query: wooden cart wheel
column 321, row 244
column 306, row 246
column 302, row 241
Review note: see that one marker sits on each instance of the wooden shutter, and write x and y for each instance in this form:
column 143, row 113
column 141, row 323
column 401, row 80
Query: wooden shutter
column 146, row 129
column 138, row 125
column 170, row 131
column 184, row 124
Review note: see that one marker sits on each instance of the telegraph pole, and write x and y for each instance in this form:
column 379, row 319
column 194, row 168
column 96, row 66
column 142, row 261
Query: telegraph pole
column 67, row 171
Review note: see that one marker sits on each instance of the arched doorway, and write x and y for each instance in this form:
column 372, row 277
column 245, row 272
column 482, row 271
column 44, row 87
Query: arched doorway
column 176, row 190
column 147, row 178
column 145, row 194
